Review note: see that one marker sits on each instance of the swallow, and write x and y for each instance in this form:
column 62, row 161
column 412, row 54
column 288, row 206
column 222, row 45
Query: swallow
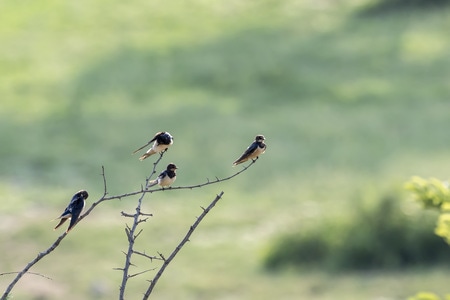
column 166, row 178
column 253, row 151
column 73, row 210
column 161, row 141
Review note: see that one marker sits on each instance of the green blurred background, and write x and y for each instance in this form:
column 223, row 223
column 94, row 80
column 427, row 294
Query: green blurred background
column 352, row 96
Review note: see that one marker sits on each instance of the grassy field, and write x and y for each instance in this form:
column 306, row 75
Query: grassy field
column 349, row 105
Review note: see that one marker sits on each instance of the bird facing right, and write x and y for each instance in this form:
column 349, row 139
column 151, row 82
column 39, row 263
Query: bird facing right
column 161, row 142
column 253, row 151
column 73, row 210
column 166, row 178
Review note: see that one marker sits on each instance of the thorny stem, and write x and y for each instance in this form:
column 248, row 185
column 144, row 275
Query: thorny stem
column 180, row 245
column 132, row 237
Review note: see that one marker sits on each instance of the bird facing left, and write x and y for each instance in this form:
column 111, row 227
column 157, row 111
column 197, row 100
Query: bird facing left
column 73, row 210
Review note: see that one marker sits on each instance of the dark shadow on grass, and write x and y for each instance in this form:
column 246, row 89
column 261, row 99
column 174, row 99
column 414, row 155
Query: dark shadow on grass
column 263, row 64
column 383, row 7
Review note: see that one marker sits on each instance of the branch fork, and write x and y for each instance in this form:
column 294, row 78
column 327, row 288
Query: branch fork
column 131, row 231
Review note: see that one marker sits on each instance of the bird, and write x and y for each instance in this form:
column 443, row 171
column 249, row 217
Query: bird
column 166, row 177
column 162, row 140
column 73, row 210
column 253, row 151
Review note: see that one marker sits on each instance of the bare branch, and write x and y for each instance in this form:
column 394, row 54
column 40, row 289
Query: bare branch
column 136, row 274
column 32, row 263
column 147, row 256
column 187, row 187
column 124, row 214
column 144, row 214
column 208, row 182
column 31, row 273
column 180, row 245
column 105, row 191
column 127, row 232
column 140, row 231
column 131, row 233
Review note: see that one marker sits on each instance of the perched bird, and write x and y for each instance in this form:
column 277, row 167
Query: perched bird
column 166, row 178
column 253, row 151
column 74, row 209
column 162, row 140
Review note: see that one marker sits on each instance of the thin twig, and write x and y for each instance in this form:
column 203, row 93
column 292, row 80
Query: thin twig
column 105, row 190
column 32, row 263
column 144, row 214
column 124, row 214
column 180, row 245
column 146, row 255
column 139, row 273
column 31, row 273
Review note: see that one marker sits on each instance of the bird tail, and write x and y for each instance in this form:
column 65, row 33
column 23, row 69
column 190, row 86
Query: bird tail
column 140, row 148
column 152, row 183
column 147, row 154
column 239, row 161
column 60, row 223
column 71, row 225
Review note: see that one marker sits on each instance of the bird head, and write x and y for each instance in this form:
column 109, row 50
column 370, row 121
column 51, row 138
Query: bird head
column 171, row 167
column 82, row 194
column 260, row 138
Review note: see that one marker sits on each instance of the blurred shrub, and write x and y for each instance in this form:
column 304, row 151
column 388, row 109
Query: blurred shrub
column 376, row 236
column 435, row 194
column 428, row 296
column 432, row 193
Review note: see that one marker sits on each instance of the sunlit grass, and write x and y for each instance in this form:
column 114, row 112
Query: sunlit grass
column 345, row 103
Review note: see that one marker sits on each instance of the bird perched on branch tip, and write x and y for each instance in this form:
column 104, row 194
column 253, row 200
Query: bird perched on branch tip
column 161, row 142
column 253, row 151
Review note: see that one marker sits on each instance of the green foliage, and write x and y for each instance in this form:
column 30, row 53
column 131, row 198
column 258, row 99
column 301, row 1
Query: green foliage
column 432, row 193
column 428, row 296
column 379, row 236
column 305, row 248
column 435, row 194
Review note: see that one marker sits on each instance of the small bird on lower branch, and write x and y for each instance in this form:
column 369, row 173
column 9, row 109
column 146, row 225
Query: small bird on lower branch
column 73, row 210
column 166, row 178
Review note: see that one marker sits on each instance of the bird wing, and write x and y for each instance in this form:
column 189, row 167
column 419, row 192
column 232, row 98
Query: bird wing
column 76, row 209
column 64, row 216
column 252, row 148
column 162, row 175
column 157, row 180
